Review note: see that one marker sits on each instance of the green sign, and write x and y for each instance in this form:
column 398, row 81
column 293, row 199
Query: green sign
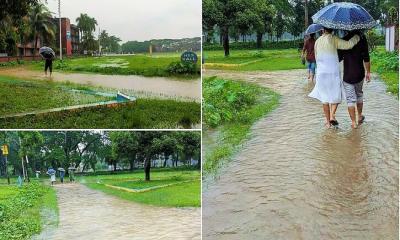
column 189, row 57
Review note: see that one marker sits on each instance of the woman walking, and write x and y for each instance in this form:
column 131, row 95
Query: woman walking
column 329, row 86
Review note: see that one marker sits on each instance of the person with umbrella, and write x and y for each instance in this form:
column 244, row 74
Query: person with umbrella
column 71, row 171
column 308, row 50
column 48, row 55
column 52, row 173
column 329, row 87
column 62, row 174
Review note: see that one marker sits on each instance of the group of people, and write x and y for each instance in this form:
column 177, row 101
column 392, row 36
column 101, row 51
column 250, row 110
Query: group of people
column 323, row 56
column 52, row 173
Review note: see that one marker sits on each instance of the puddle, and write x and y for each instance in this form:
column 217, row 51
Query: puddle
column 295, row 180
column 190, row 89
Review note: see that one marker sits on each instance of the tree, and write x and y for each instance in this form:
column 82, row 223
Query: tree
column 124, row 145
column 87, row 26
column 40, row 24
column 225, row 14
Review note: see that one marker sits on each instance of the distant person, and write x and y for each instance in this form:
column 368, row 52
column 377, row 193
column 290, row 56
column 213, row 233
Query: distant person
column 71, row 172
column 48, row 65
column 329, row 87
column 62, row 174
column 52, row 173
column 357, row 67
column 309, row 54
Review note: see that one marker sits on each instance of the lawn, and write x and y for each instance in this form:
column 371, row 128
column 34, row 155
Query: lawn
column 230, row 108
column 168, row 187
column 141, row 64
column 24, row 96
column 142, row 114
column 254, row 60
column 21, row 208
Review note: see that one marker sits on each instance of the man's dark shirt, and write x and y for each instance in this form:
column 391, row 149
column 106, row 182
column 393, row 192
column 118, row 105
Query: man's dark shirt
column 354, row 59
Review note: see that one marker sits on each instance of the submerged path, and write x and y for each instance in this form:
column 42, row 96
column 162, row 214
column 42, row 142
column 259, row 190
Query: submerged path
column 150, row 85
column 90, row 214
column 296, row 180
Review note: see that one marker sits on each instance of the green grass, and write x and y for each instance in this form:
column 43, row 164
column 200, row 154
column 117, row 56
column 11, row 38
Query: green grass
column 231, row 108
column 387, row 66
column 21, row 209
column 185, row 191
column 19, row 96
column 254, row 60
column 140, row 64
column 144, row 113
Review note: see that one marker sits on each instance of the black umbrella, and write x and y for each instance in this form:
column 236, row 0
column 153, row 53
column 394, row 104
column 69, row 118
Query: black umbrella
column 47, row 53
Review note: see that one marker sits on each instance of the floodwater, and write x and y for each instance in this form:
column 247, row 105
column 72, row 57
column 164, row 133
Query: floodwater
column 89, row 214
column 296, row 180
column 190, row 89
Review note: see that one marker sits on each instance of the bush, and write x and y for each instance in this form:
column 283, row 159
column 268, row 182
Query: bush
column 182, row 68
column 16, row 219
column 386, row 61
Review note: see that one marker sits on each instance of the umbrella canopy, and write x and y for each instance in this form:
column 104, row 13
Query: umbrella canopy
column 51, row 171
column 344, row 15
column 47, row 53
column 61, row 169
column 71, row 168
column 313, row 28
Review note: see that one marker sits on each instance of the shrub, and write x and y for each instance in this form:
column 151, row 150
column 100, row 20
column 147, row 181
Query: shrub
column 253, row 45
column 182, row 68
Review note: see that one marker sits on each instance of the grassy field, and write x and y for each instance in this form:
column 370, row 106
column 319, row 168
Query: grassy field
column 168, row 187
column 144, row 113
column 254, row 60
column 141, row 64
column 24, row 96
column 21, row 209
column 231, row 108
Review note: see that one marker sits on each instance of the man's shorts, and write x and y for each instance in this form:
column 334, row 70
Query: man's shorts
column 311, row 67
column 354, row 93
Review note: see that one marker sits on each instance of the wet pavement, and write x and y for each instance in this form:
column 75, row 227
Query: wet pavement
column 169, row 87
column 89, row 214
column 296, row 180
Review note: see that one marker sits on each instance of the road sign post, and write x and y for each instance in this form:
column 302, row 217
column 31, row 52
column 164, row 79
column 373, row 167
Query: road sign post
column 4, row 150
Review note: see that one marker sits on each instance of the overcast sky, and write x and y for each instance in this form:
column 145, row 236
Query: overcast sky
column 138, row 19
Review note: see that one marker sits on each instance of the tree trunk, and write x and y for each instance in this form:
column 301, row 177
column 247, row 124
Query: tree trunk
column 147, row 167
column 226, row 41
column 132, row 164
column 115, row 166
column 165, row 161
column 35, row 47
column 259, row 40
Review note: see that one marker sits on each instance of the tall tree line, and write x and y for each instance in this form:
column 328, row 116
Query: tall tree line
column 37, row 151
column 236, row 19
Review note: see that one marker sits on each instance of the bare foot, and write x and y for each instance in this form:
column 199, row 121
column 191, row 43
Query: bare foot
column 328, row 125
column 354, row 125
column 361, row 120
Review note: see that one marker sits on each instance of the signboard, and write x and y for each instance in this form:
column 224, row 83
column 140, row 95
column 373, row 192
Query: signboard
column 189, row 57
column 4, row 149
column 68, row 34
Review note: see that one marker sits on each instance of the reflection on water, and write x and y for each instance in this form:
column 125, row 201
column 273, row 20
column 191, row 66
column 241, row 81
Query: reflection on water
column 155, row 85
column 296, row 180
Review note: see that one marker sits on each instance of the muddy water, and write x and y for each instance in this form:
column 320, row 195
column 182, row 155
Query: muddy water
column 152, row 85
column 296, row 180
column 89, row 214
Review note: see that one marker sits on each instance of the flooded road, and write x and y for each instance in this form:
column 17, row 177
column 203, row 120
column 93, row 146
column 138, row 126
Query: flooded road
column 150, row 85
column 90, row 214
column 296, row 180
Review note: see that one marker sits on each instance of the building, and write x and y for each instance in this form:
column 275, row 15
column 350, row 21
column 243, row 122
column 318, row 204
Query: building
column 69, row 36
column 28, row 49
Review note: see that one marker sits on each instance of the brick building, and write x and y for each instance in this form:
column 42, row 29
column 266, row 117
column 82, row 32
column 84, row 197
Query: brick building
column 69, row 36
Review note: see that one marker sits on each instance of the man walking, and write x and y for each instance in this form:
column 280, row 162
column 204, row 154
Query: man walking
column 357, row 66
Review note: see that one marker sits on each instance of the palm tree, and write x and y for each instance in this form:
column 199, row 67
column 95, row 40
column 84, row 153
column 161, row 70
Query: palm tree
column 41, row 24
column 86, row 25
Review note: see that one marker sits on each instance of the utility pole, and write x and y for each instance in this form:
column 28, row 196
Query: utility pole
column 59, row 21
column 306, row 14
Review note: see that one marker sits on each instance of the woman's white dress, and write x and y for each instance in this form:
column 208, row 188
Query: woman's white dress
column 329, row 85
